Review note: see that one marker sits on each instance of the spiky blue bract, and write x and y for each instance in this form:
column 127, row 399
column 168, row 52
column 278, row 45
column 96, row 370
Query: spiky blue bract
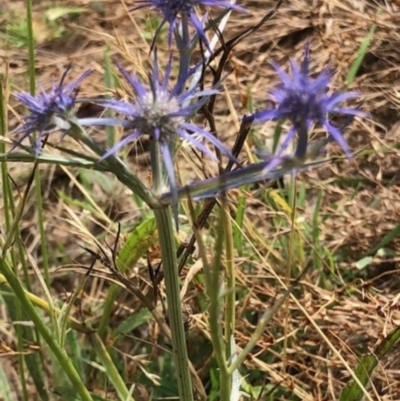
column 163, row 115
column 49, row 109
column 306, row 101
column 171, row 10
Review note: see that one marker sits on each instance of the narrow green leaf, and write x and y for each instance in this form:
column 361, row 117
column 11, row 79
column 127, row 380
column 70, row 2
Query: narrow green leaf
column 360, row 56
column 366, row 366
column 316, row 231
column 109, row 81
column 134, row 321
column 237, row 229
column 389, row 237
column 112, row 373
column 5, row 387
column 33, row 361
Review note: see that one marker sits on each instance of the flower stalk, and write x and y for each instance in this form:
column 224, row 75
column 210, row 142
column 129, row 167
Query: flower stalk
column 166, row 235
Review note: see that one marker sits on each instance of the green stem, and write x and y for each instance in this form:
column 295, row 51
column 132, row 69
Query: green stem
column 115, row 165
column 58, row 352
column 101, row 351
column 212, row 277
column 112, row 294
column 111, row 371
column 230, row 281
column 8, row 212
column 42, row 230
column 38, row 186
column 171, row 276
column 258, row 332
column 184, row 49
column 172, row 289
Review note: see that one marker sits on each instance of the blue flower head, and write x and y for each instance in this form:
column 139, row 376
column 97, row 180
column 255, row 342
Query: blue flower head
column 163, row 115
column 172, row 9
column 49, row 109
column 305, row 101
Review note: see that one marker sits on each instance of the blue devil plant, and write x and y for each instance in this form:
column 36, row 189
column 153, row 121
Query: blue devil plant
column 306, row 101
column 49, row 109
column 163, row 111
column 172, row 10
column 163, row 114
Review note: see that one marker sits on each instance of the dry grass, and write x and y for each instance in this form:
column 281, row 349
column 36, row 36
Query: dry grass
column 354, row 309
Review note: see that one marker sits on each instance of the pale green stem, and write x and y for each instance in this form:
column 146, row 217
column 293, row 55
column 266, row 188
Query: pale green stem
column 172, row 289
column 114, row 165
column 212, row 277
column 258, row 332
column 38, row 184
column 8, row 211
column 172, row 284
column 230, row 299
column 215, row 295
column 109, row 366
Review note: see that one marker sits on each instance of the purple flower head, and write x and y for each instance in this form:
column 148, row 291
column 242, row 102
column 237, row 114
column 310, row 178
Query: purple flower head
column 172, row 9
column 163, row 114
column 305, row 101
column 48, row 109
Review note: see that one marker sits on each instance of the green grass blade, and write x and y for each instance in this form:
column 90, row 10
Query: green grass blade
column 316, row 233
column 238, row 227
column 38, row 185
column 110, row 84
column 360, row 56
column 25, row 335
column 111, row 370
column 6, row 394
column 389, row 237
column 33, row 362
column 366, row 366
column 41, row 326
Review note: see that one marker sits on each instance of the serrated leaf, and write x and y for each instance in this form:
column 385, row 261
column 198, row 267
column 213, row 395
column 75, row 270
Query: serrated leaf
column 137, row 244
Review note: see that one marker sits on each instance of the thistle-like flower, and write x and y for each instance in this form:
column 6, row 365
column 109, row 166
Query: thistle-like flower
column 163, row 115
column 49, row 109
column 172, row 9
column 305, row 101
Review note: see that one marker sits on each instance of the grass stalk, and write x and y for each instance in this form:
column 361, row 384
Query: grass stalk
column 31, row 363
column 213, row 288
column 262, row 323
column 98, row 345
column 109, row 366
column 38, row 184
column 230, row 299
column 41, row 326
